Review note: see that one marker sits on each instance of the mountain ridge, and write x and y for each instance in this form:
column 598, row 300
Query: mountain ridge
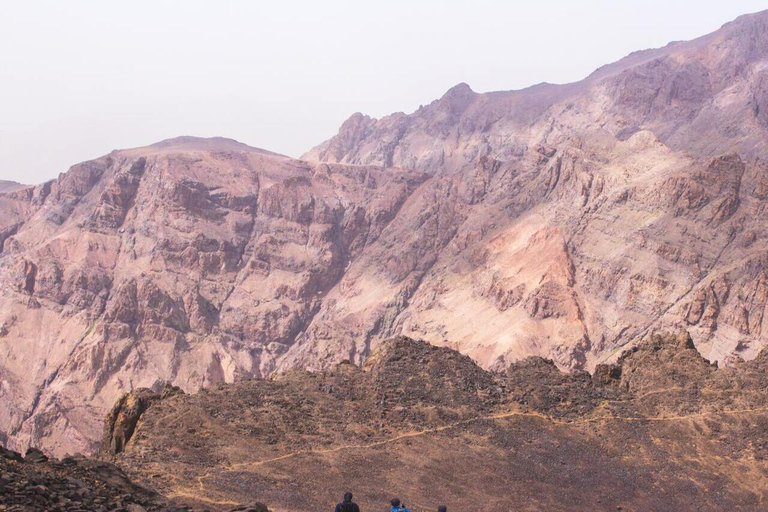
column 516, row 435
column 731, row 35
column 503, row 225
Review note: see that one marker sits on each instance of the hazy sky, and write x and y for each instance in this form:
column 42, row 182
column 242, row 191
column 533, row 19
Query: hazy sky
column 80, row 78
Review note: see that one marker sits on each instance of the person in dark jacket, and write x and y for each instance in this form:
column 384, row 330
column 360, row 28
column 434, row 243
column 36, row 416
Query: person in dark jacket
column 396, row 506
column 347, row 505
column 442, row 508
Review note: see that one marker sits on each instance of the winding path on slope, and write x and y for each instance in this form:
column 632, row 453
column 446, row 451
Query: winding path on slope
column 203, row 495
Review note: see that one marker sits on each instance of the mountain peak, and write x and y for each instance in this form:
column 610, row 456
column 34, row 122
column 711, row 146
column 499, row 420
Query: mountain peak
column 461, row 88
column 459, row 95
column 191, row 143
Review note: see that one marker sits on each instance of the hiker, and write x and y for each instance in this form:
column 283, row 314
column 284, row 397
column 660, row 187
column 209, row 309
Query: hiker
column 347, row 505
column 396, row 506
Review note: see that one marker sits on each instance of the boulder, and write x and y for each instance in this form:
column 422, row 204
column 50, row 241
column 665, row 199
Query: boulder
column 9, row 454
column 35, row 455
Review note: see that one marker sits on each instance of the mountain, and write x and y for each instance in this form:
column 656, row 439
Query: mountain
column 661, row 430
column 705, row 97
column 562, row 221
column 579, row 216
column 190, row 261
column 584, row 215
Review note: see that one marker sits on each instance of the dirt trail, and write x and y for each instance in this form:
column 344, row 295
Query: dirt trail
column 498, row 416
column 203, row 495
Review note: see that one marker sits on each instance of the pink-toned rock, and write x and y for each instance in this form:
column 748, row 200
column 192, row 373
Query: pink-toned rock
column 191, row 261
column 556, row 221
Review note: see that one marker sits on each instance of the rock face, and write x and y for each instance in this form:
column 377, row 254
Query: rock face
column 666, row 430
column 188, row 262
column 556, row 221
column 122, row 419
column 566, row 220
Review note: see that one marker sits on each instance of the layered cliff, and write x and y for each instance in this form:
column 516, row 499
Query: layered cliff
column 190, row 261
column 580, row 216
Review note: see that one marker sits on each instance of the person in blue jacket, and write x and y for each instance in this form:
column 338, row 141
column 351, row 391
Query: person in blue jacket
column 396, row 506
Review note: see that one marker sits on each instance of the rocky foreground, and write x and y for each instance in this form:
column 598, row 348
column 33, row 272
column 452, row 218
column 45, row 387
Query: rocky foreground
column 35, row 483
column 663, row 429
column 73, row 484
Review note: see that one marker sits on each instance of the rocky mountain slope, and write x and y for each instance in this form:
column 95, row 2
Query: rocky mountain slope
column 556, row 221
column 661, row 430
column 579, row 216
column 6, row 186
column 190, row 261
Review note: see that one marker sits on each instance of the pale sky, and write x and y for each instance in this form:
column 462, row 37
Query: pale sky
column 81, row 78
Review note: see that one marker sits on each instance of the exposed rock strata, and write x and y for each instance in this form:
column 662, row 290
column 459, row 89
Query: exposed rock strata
column 556, row 221
column 189, row 262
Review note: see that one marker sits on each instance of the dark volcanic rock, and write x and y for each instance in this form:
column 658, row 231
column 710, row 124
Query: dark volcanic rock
column 607, row 374
column 78, row 484
column 256, row 507
column 35, row 455
column 10, row 454
column 73, row 484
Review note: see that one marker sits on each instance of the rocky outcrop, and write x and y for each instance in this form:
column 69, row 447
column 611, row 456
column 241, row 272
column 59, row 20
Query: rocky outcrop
column 123, row 418
column 632, row 436
column 36, row 483
column 73, row 484
column 35, row 455
column 606, row 374
column 254, row 507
